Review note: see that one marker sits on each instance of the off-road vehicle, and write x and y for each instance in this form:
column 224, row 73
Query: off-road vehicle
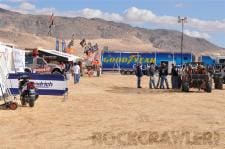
column 39, row 65
column 195, row 75
column 219, row 75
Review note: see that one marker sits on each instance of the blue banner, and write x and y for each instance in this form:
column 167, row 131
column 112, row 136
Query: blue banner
column 127, row 60
column 46, row 84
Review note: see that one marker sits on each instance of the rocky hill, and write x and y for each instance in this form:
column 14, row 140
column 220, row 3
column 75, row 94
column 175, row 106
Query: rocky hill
column 25, row 30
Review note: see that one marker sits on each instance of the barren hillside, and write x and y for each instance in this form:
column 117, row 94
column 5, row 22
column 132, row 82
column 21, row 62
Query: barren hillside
column 32, row 31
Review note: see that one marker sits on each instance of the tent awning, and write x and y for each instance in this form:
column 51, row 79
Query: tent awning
column 60, row 56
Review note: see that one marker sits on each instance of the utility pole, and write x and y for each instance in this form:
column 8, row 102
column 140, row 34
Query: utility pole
column 182, row 20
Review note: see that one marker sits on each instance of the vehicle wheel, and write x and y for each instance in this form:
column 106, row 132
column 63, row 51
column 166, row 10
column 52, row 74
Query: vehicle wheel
column 31, row 103
column 208, row 87
column 131, row 72
column 125, row 72
column 36, row 97
column 56, row 72
column 27, row 71
column 218, row 83
column 23, row 102
column 13, row 106
column 185, row 87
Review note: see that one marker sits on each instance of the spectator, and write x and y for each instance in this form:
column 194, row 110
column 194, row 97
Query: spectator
column 139, row 74
column 67, row 67
column 159, row 76
column 152, row 76
column 76, row 71
column 174, row 77
column 164, row 73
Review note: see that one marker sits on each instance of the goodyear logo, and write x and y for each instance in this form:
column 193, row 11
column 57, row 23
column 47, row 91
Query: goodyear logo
column 128, row 60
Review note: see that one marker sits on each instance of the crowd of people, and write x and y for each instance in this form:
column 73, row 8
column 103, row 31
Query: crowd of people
column 162, row 81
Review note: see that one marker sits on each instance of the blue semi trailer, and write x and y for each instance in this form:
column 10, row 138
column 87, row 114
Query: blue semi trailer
column 207, row 60
column 212, row 60
column 125, row 61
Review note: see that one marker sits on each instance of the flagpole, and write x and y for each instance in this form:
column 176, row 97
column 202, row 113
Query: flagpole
column 173, row 56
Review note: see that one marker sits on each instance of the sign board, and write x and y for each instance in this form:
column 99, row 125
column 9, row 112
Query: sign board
column 47, row 84
column 19, row 60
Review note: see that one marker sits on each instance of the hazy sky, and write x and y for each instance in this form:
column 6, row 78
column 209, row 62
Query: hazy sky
column 206, row 18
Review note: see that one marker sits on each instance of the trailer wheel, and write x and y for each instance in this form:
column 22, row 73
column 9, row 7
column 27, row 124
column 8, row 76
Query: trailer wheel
column 131, row 72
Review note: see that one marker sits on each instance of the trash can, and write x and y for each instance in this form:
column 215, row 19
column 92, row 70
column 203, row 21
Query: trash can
column 68, row 76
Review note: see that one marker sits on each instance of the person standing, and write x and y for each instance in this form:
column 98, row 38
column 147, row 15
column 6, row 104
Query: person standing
column 76, row 70
column 139, row 74
column 174, row 77
column 152, row 76
column 164, row 73
column 158, row 68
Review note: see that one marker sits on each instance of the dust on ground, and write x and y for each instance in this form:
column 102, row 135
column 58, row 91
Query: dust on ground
column 112, row 104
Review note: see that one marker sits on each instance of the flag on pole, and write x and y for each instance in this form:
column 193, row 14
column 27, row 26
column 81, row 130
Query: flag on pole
column 63, row 45
column 57, row 45
column 51, row 23
column 83, row 43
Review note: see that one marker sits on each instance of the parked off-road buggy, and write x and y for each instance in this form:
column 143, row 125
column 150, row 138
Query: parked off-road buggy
column 219, row 76
column 195, row 75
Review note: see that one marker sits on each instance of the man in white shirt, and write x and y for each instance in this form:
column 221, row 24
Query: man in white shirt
column 76, row 71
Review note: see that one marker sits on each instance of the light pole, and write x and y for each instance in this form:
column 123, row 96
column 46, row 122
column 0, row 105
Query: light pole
column 182, row 20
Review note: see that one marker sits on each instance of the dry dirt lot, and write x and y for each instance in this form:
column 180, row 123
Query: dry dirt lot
column 109, row 112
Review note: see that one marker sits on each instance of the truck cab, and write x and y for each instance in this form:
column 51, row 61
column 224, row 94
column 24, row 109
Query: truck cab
column 39, row 65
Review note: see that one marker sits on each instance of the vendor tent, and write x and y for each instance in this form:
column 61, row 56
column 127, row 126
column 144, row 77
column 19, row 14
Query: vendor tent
column 59, row 56
column 11, row 60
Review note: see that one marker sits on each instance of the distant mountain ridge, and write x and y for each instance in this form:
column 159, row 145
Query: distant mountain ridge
column 37, row 25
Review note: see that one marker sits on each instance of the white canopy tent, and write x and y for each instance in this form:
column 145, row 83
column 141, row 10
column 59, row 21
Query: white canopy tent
column 66, row 56
column 11, row 61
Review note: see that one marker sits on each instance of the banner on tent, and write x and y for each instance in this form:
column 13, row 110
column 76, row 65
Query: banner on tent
column 19, row 60
column 47, row 84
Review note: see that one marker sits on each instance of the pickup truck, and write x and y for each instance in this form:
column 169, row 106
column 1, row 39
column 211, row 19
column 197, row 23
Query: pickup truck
column 39, row 65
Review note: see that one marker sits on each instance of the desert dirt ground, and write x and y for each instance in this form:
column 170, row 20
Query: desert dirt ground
column 111, row 106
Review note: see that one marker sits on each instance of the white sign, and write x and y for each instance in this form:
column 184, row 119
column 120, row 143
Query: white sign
column 19, row 60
